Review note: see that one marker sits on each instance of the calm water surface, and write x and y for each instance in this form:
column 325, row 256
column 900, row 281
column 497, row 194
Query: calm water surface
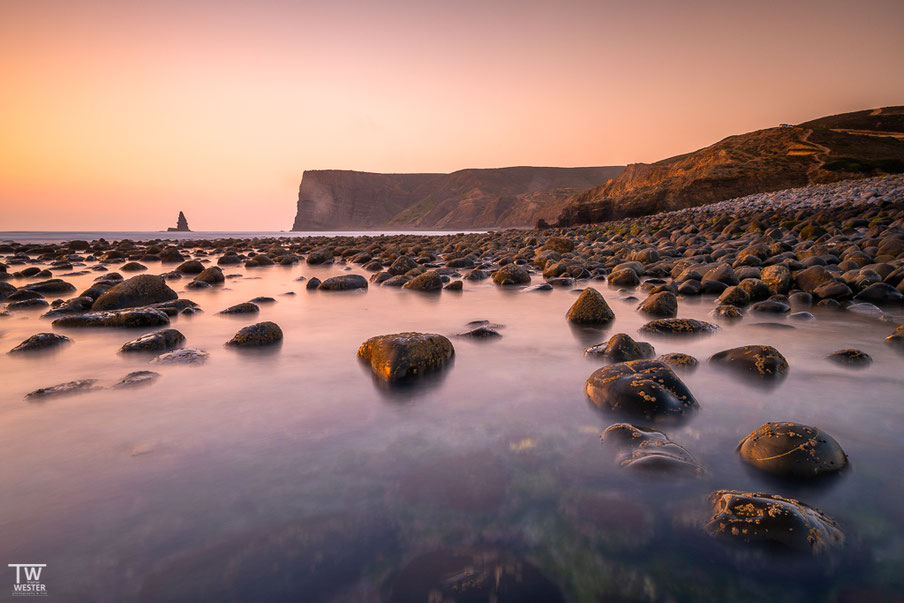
column 291, row 475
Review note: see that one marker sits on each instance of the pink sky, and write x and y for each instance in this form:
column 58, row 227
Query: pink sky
column 116, row 115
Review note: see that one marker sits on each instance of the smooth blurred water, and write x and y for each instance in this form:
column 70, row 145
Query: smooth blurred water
column 294, row 464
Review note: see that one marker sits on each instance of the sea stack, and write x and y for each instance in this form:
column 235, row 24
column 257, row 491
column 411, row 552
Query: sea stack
column 181, row 224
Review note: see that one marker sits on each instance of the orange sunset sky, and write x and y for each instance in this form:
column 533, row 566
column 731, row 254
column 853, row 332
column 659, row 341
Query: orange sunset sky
column 116, row 115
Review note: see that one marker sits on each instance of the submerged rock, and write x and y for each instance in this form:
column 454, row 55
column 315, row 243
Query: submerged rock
column 620, row 348
column 472, row 576
column 762, row 361
column 137, row 379
column 40, row 341
column 187, row 356
column 679, row 360
column 770, row 519
column 481, row 332
column 158, row 341
column 260, row 334
column 642, row 388
column 137, row 291
column 792, row 450
column 70, row 387
column 650, row 451
column 132, row 318
column 850, row 357
column 590, row 308
column 678, row 326
column 404, row 356
column 242, row 308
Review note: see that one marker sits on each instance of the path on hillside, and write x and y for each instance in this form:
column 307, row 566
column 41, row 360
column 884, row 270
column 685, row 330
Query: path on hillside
column 805, row 138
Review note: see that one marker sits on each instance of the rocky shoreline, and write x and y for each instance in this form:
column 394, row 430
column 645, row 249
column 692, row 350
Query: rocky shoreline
column 769, row 256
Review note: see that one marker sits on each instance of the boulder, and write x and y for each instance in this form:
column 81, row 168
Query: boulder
column 428, row 281
column 345, row 282
column 649, row 451
column 158, row 341
column 404, row 356
column 260, row 334
column 621, row 348
column 40, row 341
column 661, row 305
column 678, row 326
column 640, row 388
column 760, row 361
column 590, row 308
column 137, row 291
column 130, row 318
column 792, row 450
column 63, row 389
column 511, row 274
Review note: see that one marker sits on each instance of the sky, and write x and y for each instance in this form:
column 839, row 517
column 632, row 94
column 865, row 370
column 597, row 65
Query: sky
column 116, row 115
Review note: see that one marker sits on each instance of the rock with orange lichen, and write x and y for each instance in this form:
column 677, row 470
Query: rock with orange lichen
column 792, row 450
column 761, row 361
column 405, row 356
column 640, row 388
column 770, row 519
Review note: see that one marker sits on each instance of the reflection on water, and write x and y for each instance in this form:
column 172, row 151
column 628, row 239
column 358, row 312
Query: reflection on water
column 290, row 474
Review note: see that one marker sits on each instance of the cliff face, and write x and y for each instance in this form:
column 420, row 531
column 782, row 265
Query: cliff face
column 505, row 197
column 845, row 146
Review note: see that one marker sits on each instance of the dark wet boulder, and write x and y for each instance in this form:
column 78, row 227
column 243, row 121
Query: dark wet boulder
column 428, row 281
column 63, row 389
column 190, row 267
column 772, row 520
column 476, row 275
column 260, row 334
column 41, row 341
column 5, row 289
column 53, row 285
column 320, row 256
column 770, row 307
column 229, row 259
column 472, row 576
column 27, row 304
column 395, row 281
column 850, row 357
column 814, row 277
column 761, row 361
column 621, row 348
column 133, row 267
column 23, row 294
column 792, row 450
column 661, row 305
column 755, row 289
column 690, row 287
column 880, row 293
column 130, row 318
column 158, row 341
column 313, row 283
column 511, row 274
column 679, row 361
column 649, row 451
column 590, row 308
column 174, row 307
column 137, row 379
column 721, row 273
column 454, row 286
column 137, row 291
column 404, row 356
column 401, row 265
column 185, row 357
column 481, row 332
column 678, row 326
column 345, row 282
column 242, row 308
column 212, row 275
column 73, row 305
column 641, row 388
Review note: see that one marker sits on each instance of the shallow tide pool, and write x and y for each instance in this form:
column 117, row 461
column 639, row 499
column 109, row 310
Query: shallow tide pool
column 290, row 474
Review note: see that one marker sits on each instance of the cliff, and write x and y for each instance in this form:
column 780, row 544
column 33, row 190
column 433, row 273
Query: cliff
column 850, row 145
column 473, row 198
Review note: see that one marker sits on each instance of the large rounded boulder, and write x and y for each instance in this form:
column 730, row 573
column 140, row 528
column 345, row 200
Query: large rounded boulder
column 590, row 308
column 770, row 519
column 511, row 274
column 404, row 356
column 760, row 361
column 640, row 388
column 792, row 450
column 345, row 282
column 141, row 290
